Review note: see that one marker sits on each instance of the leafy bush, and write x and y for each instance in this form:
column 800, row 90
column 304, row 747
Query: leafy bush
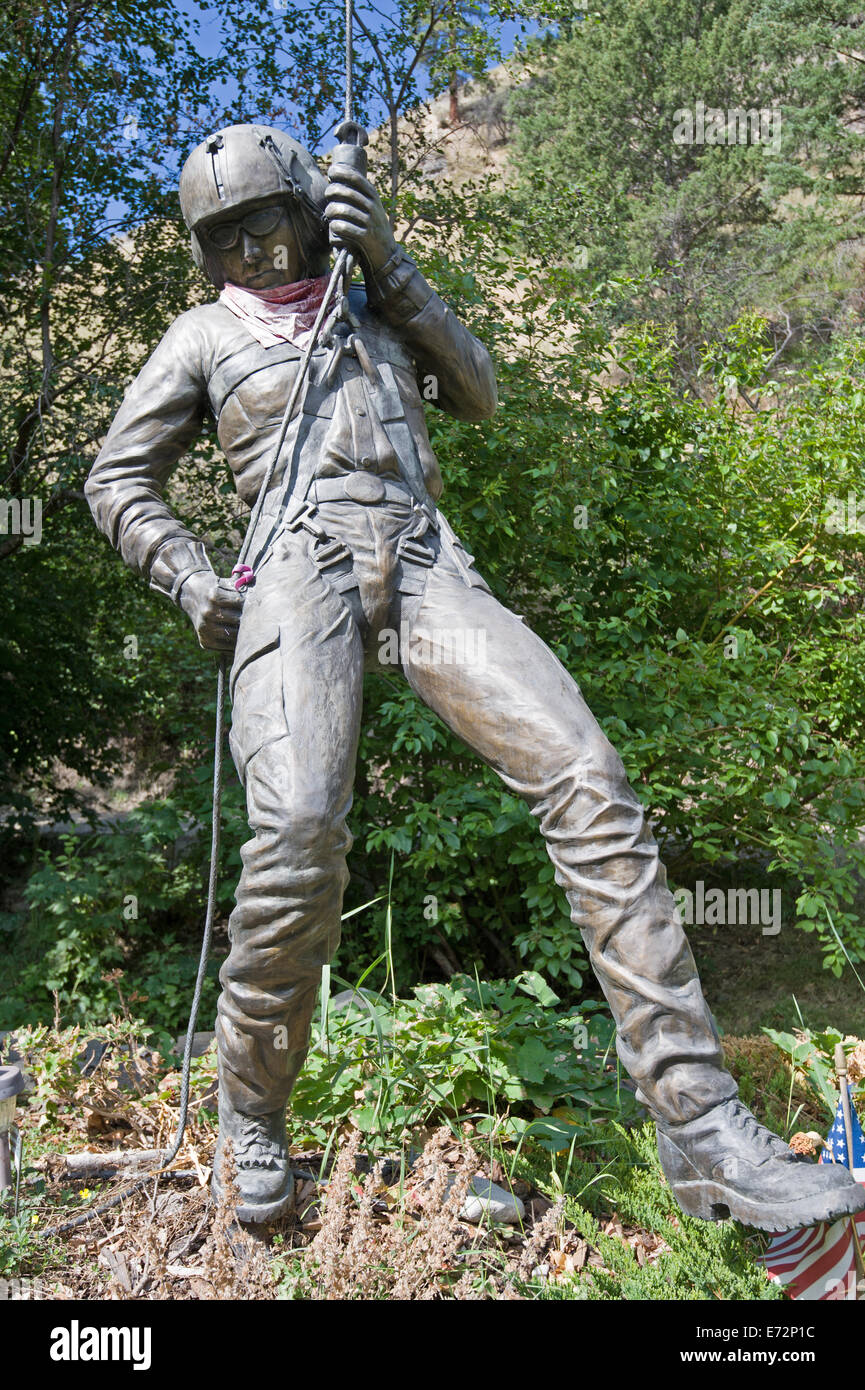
column 811, row 1059
column 712, row 619
column 103, row 905
column 500, row 1051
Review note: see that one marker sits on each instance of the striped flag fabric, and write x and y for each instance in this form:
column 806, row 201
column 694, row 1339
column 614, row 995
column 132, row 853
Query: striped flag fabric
column 818, row 1263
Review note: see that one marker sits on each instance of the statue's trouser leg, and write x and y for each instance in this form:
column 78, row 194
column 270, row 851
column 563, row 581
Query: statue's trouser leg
column 297, row 692
column 518, row 707
column 296, row 685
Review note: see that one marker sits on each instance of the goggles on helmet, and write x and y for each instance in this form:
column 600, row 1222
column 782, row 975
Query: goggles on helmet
column 261, row 222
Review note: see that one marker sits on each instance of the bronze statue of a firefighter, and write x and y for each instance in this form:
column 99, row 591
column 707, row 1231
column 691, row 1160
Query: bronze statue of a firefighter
column 349, row 544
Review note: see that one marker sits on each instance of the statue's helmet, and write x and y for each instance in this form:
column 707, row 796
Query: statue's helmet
column 246, row 166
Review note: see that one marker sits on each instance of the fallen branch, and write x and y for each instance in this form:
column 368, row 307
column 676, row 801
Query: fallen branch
column 107, row 1165
column 85, row 1164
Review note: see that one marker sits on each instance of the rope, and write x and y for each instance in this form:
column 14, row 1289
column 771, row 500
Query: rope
column 340, row 276
column 289, row 409
column 349, row 46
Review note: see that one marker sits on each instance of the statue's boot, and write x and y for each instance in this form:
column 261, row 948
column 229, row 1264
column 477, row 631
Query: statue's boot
column 260, row 1160
column 726, row 1164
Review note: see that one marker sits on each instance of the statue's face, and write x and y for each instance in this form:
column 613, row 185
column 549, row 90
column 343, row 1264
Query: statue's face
column 258, row 249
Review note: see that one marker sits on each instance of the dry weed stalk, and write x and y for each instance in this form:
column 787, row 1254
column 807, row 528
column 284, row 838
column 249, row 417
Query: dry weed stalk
column 856, row 1060
column 233, row 1261
column 436, row 1242
column 359, row 1255
column 328, row 1246
column 135, row 1254
column 545, row 1231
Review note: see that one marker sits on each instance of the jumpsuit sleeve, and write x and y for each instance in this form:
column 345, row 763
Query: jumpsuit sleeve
column 161, row 414
column 441, row 346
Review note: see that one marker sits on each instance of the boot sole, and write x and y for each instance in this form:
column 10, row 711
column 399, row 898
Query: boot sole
column 710, row 1200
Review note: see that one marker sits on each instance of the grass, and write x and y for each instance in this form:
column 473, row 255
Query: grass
column 614, row 1194
column 754, row 981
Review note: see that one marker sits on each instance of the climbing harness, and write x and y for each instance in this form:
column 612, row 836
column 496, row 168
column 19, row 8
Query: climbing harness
column 334, row 327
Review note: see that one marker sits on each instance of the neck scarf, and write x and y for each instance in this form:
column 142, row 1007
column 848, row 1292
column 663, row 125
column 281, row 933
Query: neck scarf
column 283, row 314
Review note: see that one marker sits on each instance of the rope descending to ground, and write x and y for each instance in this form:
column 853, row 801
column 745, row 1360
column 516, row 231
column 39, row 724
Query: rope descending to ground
column 170, row 1154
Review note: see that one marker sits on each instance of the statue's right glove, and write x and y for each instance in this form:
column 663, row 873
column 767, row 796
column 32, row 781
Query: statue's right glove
column 181, row 570
column 213, row 606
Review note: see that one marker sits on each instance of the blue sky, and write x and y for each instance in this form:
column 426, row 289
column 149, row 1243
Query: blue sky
column 209, row 32
column 209, row 38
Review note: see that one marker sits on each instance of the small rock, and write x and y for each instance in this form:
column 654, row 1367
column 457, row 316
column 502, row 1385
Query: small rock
column 200, row 1043
column 486, row 1200
column 539, row 1206
column 94, row 1051
column 352, row 999
column 211, row 1094
column 129, row 1076
column 8, row 1055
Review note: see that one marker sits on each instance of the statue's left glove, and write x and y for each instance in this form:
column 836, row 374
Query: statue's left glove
column 358, row 219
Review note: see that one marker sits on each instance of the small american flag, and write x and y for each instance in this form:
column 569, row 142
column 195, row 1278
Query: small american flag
column 818, row 1263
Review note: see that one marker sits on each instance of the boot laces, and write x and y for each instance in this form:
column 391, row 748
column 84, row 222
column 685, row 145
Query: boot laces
column 255, row 1148
column 755, row 1132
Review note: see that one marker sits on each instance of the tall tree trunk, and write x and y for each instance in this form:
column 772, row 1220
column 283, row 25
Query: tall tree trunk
column 453, row 72
column 394, row 164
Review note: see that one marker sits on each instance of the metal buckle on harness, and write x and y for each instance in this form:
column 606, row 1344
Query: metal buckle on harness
column 429, row 512
column 330, row 553
column 411, row 549
column 304, row 517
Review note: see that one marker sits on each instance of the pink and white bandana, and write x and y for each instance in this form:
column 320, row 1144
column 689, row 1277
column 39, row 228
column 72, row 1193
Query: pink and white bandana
column 283, row 314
